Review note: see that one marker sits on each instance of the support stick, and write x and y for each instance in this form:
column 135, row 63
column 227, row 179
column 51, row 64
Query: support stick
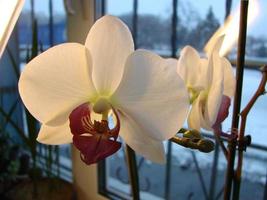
column 237, row 100
column 133, row 172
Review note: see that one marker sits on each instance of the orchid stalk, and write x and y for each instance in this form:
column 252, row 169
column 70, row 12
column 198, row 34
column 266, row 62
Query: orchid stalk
column 68, row 85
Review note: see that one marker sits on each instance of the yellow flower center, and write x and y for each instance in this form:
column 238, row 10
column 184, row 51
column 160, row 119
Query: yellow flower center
column 102, row 106
column 193, row 94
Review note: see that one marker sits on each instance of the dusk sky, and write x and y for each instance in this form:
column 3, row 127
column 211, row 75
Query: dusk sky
column 163, row 8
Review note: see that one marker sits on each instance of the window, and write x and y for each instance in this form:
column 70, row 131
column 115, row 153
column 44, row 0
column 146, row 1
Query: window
column 190, row 174
column 50, row 30
column 51, row 21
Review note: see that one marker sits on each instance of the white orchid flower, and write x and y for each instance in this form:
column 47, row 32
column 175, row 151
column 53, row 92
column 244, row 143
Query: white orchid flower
column 210, row 83
column 63, row 86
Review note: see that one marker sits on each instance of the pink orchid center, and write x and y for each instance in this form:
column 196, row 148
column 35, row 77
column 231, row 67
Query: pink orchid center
column 95, row 140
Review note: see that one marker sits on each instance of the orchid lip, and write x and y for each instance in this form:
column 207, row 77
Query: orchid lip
column 95, row 140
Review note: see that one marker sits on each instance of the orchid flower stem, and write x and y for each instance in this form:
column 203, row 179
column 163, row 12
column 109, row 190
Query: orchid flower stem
column 133, row 172
column 232, row 142
column 260, row 91
column 220, row 142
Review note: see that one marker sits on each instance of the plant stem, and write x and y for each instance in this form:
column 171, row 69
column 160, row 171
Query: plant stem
column 133, row 172
column 217, row 135
column 237, row 99
column 168, row 171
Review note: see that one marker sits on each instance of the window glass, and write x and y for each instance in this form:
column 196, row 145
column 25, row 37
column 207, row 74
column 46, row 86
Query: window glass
column 51, row 24
column 154, row 25
column 122, row 9
column 197, row 22
column 51, row 29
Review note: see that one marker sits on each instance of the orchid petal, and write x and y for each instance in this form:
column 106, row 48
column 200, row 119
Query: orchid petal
column 55, row 135
column 196, row 118
column 137, row 138
column 172, row 61
column 205, row 76
column 217, row 45
column 194, row 115
column 229, row 78
column 153, row 95
column 204, row 120
column 56, row 81
column 223, row 111
column 216, row 90
column 188, row 66
column 110, row 42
